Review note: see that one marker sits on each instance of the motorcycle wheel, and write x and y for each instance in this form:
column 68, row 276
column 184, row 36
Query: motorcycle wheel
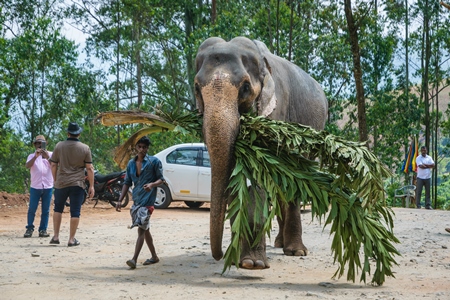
column 117, row 189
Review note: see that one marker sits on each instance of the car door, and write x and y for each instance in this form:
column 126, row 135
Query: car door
column 181, row 173
column 204, row 176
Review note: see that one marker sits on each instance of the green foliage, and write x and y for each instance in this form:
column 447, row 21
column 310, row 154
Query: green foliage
column 345, row 189
column 185, row 122
column 14, row 176
column 44, row 84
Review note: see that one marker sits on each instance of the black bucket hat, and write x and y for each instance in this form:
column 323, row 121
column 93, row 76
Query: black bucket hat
column 74, row 129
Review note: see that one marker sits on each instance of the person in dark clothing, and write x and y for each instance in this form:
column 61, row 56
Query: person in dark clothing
column 69, row 160
column 146, row 173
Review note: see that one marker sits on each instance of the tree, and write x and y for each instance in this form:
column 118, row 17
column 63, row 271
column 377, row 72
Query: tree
column 357, row 71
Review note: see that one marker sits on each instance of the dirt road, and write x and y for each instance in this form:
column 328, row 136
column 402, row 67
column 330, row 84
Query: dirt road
column 33, row 269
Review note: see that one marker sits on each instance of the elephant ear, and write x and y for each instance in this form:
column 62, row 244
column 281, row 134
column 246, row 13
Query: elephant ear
column 267, row 101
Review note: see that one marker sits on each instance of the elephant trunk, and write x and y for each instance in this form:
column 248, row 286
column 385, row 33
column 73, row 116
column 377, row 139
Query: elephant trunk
column 220, row 129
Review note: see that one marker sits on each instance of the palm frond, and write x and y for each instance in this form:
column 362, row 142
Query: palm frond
column 186, row 123
column 122, row 117
column 345, row 189
column 124, row 151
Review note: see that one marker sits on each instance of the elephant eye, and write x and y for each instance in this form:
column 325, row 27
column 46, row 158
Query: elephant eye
column 245, row 89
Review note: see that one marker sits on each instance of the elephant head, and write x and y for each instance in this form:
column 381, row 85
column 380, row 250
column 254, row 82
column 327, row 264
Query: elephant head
column 232, row 78
column 237, row 77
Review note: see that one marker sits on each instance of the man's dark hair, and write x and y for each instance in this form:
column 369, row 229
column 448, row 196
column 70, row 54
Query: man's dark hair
column 144, row 140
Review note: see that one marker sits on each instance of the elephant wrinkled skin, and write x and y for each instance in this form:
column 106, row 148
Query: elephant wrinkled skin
column 237, row 77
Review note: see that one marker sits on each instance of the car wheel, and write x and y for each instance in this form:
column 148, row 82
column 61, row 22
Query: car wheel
column 163, row 197
column 194, row 204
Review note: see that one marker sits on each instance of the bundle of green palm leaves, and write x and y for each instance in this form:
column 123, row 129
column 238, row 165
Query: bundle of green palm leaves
column 342, row 180
column 345, row 189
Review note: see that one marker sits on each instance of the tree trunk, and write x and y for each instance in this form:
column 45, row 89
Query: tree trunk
column 138, row 64
column 425, row 80
column 435, row 150
column 357, row 72
column 189, row 19
column 291, row 25
column 277, row 27
column 269, row 28
column 213, row 11
column 118, row 66
column 436, row 125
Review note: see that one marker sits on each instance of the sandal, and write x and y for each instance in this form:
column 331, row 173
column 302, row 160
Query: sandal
column 150, row 261
column 54, row 242
column 131, row 263
column 75, row 243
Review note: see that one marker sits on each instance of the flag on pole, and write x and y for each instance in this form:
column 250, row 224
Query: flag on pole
column 409, row 165
column 405, row 168
column 415, row 154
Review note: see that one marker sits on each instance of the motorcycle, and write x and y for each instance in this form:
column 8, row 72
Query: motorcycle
column 108, row 188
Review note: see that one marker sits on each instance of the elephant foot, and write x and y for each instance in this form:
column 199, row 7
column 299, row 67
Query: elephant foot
column 248, row 263
column 278, row 242
column 254, row 258
column 299, row 250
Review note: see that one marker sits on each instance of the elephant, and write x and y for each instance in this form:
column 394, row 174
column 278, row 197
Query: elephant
column 240, row 76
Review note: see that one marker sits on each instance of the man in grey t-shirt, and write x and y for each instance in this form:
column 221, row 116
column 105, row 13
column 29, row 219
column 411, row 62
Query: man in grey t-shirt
column 69, row 160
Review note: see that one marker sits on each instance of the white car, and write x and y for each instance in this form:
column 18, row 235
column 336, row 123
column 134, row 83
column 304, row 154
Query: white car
column 187, row 171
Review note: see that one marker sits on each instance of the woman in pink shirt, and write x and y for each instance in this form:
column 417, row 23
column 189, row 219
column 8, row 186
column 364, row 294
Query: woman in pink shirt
column 41, row 186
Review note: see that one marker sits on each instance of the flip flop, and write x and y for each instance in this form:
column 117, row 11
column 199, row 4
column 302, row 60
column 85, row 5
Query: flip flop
column 150, row 261
column 75, row 243
column 54, row 242
column 131, row 263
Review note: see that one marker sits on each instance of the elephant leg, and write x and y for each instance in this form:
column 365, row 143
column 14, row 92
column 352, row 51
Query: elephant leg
column 279, row 240
column 290, row 231
column 254, row 257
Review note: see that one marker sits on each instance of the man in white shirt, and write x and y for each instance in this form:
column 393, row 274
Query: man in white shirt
column 424, row 164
